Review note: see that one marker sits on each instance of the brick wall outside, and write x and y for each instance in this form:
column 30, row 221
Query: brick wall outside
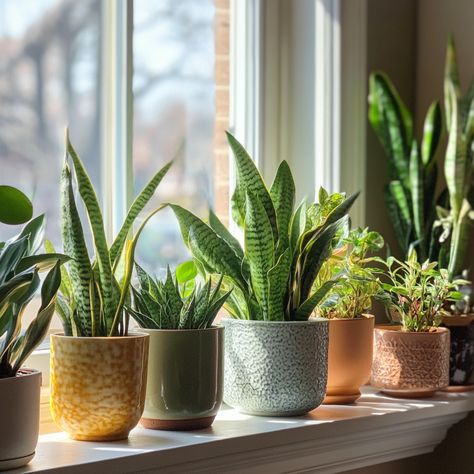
column 221, row 158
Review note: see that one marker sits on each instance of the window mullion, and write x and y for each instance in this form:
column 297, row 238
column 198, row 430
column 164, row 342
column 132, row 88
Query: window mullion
column 117, row 139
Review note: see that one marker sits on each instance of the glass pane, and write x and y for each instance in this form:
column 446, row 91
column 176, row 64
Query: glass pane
column 174, row 110
column 49, row 78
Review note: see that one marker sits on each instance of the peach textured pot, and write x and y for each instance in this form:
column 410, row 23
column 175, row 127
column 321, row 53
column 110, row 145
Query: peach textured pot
column 349, row 358
column 19, row 418
column 98, row 385
column 410, row 364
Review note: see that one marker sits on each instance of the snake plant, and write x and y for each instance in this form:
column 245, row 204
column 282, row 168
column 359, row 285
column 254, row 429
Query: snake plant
column 412, row 169
column 94, row 291
column 20, row 266
column 457, row 220
column 272, row 276
column 175, row 303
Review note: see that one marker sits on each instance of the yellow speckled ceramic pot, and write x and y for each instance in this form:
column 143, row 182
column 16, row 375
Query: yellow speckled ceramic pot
column 98, row 385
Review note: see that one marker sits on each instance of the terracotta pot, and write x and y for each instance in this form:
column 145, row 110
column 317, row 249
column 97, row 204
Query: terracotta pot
column 461, row 359
column 275, row 368
column 410, row 364
column 185, row 378
column 350, row 358
column 19, row 418
column 98, row 385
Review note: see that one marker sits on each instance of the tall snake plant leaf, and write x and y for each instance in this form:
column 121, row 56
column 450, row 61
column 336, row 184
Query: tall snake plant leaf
column 39, row 326
column 278, row 277
column 75, row 246
column 451, row 80
column 249, row 179
column 400, row 225
column 297, row 225
column 208, row 247
column 259, row 248
column 222, row 231
column 109, row 287
column 393, row 124
column 304, row 311
column 282, row 193
column 138, row 205
column 432, row 130
column 417, row 189
column 66, row 286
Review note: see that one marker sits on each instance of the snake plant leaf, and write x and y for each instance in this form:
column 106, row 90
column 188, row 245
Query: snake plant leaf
column 65, row 312
column 249, row 180
column 297, row 224
column 282, row 193
column 222, row 231
column 137, row 206
column 417, row 188
column 451, row 80
column 460, row 241
column 278, row 277
column 455, row 160
column 208, row 247
column 259, row 248
column 15, row 206
column 400, row 225
column 392, row 123
column 65, row 287
column 432, row 130
column 38, row 328
column 304, row 311
column 75, row 246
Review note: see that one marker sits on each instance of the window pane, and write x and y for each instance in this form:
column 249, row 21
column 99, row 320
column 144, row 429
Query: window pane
column 49, row 78
column 174, row 109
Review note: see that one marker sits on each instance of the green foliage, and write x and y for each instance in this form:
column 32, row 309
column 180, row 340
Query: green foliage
column 418, row 292
column 273, row 275
column 176, row 303
column 458, row 166
column 410, row 192
column 16, row 208
column 358, row 280
column 20, row 266
column 94, row 291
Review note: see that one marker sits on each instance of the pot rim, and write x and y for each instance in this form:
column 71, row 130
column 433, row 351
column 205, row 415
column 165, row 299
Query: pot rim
column 23, row 372
column 310, row 321
column 465, row 319
column 363, row 317
column 439, row 330
column 213, row 328
column 131, row 335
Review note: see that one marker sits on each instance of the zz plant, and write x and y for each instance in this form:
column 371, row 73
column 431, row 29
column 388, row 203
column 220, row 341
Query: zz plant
column 273, row 275
column 359, row 282
column 175, row 303
column 94, row 291
column 20, row 268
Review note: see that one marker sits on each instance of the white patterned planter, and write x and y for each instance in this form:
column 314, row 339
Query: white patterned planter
column 275, row 368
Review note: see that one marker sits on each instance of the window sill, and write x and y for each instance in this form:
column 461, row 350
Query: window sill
column 330, row 439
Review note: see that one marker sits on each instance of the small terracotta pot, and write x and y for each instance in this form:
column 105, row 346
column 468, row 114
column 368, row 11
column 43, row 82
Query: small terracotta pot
column 19, row 418
column 98, row 385
column 461, row 359
column 410, row 364
column 185, row 378
column 349, row 358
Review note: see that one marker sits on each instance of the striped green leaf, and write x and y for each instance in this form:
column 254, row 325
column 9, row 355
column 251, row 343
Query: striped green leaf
column 451, row 80
column 417, row 198
column 432, row 130
column 259, row 248
column 297, row 225
column 278, row 279
column 138, row 205
column 249, row 179
column 222, row 232
column 304, row 311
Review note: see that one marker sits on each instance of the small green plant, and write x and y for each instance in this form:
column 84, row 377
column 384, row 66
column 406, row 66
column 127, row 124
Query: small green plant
column 176, row 303
column 273, row 275
column 20, row 266
column 359, row 282
column 418, row 292
column 412, row 169
column 94, row 291
column 16, row 208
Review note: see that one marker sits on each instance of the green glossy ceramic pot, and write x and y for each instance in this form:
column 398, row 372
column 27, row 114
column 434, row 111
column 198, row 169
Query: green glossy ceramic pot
column 185, row 378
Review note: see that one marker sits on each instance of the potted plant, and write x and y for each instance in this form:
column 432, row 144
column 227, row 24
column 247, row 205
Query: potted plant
column 20, row 282
column 413, row 360
column 98, row 368
column 347, row 306
column 275, row 357
column 186, row 357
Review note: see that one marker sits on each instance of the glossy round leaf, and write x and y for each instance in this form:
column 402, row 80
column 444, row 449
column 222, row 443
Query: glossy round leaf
column 15, row 207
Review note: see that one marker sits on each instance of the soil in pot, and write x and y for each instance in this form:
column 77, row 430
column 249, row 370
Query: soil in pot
column 410, row 364
column 349, row 359
column 19, row 415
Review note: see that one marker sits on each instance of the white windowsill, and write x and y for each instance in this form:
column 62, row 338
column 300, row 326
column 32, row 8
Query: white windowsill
column 328, row 440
